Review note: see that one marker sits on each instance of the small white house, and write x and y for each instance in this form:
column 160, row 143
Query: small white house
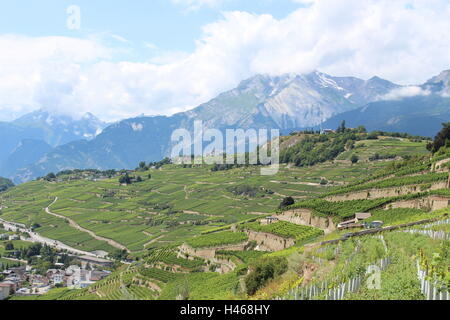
column 4, row 291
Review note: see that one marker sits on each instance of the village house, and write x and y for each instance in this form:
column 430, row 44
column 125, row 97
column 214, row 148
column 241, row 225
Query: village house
column 14, row 237
column 38, row 281
column 13, row 286
column 55, row 276
column 5, row 291
column 355, row 222
column 269, row 220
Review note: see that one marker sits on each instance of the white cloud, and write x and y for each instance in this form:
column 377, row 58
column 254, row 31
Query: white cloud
column 137, row 126
column 197, row 4
column 348, row 37
column 405, row 92
column 42, row 72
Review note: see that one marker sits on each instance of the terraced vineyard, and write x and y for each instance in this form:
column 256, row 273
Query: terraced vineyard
column 343, row 209
column 217, row 239
column 286, row 230
column 418, row 181
column 202, row 208
column 173, row 204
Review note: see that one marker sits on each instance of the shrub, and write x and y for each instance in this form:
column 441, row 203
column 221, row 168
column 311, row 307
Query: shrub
column 264, row 270
column 288, row 201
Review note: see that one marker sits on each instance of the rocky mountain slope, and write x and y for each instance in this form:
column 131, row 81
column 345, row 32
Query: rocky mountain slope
column 283, row 102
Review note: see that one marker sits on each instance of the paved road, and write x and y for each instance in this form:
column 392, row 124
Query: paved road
column 35, row 237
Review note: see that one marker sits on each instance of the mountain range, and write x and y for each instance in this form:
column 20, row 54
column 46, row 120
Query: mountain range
column 28, row 138
column 421, row 114
column 288, row 102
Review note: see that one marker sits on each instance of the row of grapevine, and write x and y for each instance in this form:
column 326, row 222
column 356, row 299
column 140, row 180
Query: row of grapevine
column 430, row 288
column 338, row 290
column 158, row 274
column 332, row 292
column 428, row 231
column 286, row 230
column 436, row 235
column 393, row 182
column 343, row 209
column 217, row 239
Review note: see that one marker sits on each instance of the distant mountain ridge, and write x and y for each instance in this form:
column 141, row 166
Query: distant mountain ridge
column 28, row 138
column 286, row 102
column 418, row 115
column 439, row 85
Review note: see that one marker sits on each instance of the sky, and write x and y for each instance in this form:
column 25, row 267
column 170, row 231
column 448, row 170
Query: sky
column 119, row 59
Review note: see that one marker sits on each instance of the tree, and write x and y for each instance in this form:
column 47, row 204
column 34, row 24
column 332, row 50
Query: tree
column 50, row 177
column 354, row 159
column 441, row 140
column 264, row 270
column 342, row 127
column 288, row 201
column 35, row 226
column 125, row 179
column 361, row 129
column 9, row 246
column 142, row 164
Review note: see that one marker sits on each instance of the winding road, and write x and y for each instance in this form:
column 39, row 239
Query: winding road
column 75, row 225
column 34, row 237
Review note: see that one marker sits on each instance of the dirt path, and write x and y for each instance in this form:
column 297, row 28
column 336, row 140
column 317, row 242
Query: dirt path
column 152, row 241
column 186, row 197
column 75, row 225
column 298, row 183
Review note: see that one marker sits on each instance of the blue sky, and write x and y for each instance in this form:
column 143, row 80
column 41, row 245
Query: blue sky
column 166, row 24
column 165, row 56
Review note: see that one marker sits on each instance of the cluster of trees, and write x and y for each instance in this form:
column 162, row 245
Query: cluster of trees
column 262, row 271
column 5, row 184
column 119, row 255
column 288, row 201
column 143, row 166
column 50, row 177
column 42, row 257
column 126, row 179
column 442, row 139
column 95, row 172
column 319, row 148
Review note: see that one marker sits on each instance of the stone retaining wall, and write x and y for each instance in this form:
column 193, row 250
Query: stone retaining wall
column 210, row 253
column 305, row 217
column 427, row 204
column 385, row 193
column 268, row 241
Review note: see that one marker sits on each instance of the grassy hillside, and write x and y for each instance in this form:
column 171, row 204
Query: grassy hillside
column 205, row 209
column 169, row 205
